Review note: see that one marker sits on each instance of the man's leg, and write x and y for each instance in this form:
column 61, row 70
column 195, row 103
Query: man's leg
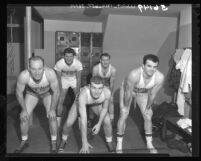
column 106, row 125
column 72, row 116
column 111, row 111
column 142, row 102
column 121, row 124
column 60, row 106
column 30, row 103
column 52, row 123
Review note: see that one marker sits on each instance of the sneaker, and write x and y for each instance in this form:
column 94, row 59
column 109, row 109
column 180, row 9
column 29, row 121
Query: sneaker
column 110, row 147
column 23, row 146
column 119, row 151
column 62, row 146
column 53, row 147
column 152, row 149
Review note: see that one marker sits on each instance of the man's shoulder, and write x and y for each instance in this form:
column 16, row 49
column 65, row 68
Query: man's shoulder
column 107, row 91
column 60, row 61
column 135, row 72
column 113, row 68
column 96, row 66
column 24, row 75
column 49, row 72
column 159, row 76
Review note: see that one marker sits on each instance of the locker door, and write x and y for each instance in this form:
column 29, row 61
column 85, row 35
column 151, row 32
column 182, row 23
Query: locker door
column 85, row 57
column 66, row 39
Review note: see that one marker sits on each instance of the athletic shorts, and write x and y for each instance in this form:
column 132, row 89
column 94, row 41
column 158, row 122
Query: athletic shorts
column 68, row 82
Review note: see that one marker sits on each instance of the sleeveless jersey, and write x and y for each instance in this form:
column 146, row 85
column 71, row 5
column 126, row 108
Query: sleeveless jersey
column 38, row 88
column 68, row 71
column 106, row 77
column 141, row 87
column 91, row 101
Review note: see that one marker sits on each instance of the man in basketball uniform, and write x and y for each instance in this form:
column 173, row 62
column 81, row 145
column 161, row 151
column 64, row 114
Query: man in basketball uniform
column 143, row 84
column 68, row 71
column 95, row 96
column 108, row 73
column 40, row 82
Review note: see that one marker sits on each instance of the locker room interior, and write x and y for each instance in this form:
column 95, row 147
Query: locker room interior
column 126, row 33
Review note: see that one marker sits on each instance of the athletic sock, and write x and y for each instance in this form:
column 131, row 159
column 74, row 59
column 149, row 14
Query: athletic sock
column 24, row 138
column 119, row 142
column 149, row 143
column 64, row 137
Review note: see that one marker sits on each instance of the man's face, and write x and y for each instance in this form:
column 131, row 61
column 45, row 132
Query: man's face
column 105, row 61
column 150, row 67
column 36, row 69
column 68, row 57
column 96, row 90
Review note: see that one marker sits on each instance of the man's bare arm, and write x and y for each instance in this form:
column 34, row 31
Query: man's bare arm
column 112, row 80
column 83, row 117
column 21, row 83
column 154, row 91
column 94, row 71
column 128, row 88
column 78, row 74
column 104, row 109
column 55, row 88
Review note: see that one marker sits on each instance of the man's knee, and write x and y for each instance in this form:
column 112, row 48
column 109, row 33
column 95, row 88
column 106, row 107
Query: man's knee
column 124, row 114
column 107, row 120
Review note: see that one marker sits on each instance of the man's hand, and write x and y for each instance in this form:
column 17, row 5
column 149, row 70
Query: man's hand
column 24, row 115
column 85, row 148
column 51, row 114
column 96, row 129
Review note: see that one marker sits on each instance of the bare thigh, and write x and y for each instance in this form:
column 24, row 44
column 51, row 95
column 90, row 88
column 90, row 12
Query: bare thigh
column 47, row 102
column 30, row 103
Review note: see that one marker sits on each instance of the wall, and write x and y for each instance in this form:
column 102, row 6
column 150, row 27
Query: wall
column 16, row 55
column 51, row 26
column 36, row 42
column 185, row 27
column 129, row 38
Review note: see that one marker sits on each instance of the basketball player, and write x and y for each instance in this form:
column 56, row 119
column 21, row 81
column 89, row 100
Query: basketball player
column 108, row 73
column 143, row 84
column 68, row 71
column 96, row 97
column 40, row 82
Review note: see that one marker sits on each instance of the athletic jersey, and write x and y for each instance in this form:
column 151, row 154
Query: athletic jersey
column 38, row 88
column 107, row 76
column 141, row 87
column 68, row 71
column 91, row 101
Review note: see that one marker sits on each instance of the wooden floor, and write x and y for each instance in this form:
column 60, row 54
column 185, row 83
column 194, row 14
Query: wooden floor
column 39, row 135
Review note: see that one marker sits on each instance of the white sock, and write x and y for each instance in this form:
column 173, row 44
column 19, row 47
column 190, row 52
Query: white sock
column 108, row 139
column 64, row 137
column 53, row 137
column 24, row 138
column 119, row 143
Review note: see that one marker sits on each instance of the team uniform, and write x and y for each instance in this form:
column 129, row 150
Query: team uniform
column 107, row 76
column 95, row 102
column 140, row 93
column 40, row 89
column 140, row 90
column 68, row 77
